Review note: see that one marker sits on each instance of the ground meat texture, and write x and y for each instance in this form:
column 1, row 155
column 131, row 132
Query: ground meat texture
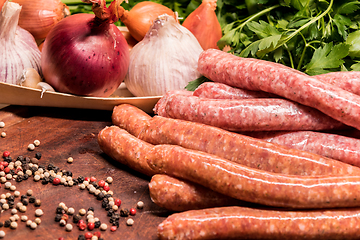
column 249, row 223
column 161, row 104
column 266, row 114
column 134, row 125
column 180, row 195
column 349, row 80
column 214, row 90
column 125, row 148
column 253, row 185
column 239, row 148
column 342, row 148
column 260, row 75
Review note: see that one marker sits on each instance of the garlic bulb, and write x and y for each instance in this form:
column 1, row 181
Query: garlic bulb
column 18, row 49
column 166, row 59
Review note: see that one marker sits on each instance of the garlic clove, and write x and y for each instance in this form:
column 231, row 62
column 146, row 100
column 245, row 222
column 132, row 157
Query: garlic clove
column 44, row 87
column 30, row 78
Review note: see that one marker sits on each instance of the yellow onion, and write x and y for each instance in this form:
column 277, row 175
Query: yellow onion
column 139, row 19
column 39, row 16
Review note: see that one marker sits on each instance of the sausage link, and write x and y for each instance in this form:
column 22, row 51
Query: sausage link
column 349, row 81
column 254, row 185
column 181, row 195
column 266, row 114
column 342, row 148
column 260, row 75
column 161, row 104
column 249, row 223
column 216, row 90
column 125, row 148
column 239, row 148
column 135, row 120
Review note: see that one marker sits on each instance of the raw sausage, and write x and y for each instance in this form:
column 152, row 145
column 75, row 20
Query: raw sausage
column 265, row 114
column 349, row 81
column 254, row 185
column 260, row 75
column 161, row 105
column 249, row 223
column 125, row 148
column 239, row 148
column 135, row 119
column 342, row 148
column 216, row 90
column 181, row 195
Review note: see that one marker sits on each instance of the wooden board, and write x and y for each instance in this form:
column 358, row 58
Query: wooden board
column 67, row 133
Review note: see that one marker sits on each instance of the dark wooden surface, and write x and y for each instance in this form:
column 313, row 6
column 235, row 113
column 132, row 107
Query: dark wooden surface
column 73, row 132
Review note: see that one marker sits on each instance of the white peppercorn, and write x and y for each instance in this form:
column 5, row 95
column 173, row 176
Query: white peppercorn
column 37, row 221
column 3, row 134
column 36, row 143
column 24, row 218
column 29, row 192
column 39, row 212
column 31, row 147
column 69, row 227
column 13, row 211
column 140, row 204
column 37, row 178
column 2, row 124
column 12, row 187
column 7, row 184
column 2, row 234
column 33, row 225
column 70, row 160
column 28, row 223
column 82, row 212
column 23, row 209
column 13, row 225
column 103, row 226
column 71, row 211
column 109, row 180
column 62, row 222
column 130, row 222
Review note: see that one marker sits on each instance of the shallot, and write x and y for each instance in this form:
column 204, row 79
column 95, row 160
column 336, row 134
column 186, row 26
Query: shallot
column 86, row 54
column 203, row 23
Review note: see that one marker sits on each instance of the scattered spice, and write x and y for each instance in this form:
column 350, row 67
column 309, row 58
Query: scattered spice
column 36, row 143
column 140, row 204
column 31, row 147
column 39, row 212
column 3, row 134
column 130, row 222
column 69, row 227
column 2, row 124
column 70, row 160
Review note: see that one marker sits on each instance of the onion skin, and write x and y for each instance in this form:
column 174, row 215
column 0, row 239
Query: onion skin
column 140, row 18
column 205, row 26
column 39, row 16
column 83, row 55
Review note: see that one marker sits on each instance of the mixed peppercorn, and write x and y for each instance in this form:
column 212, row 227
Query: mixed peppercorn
column 22, row 168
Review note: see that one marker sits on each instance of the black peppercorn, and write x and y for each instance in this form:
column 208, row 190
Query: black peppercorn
column 76, row 218
column 32, row 199
column 69, row 173
column 95, row 185
column 1, row 224
column 50, row 166
column 116, row 216
column 110, row 212
column 37, row 203
column 23, row 197
column 20, row 158
column 58, row 217
column 100, row 196
column 81, row 237
column 42, row 166
column 38, row 155
column 25, row 201
column 12, row 172
column 91, row 209
column 33, row 169
column 51, row 179
column 81, row 179
column 19, row 178
column 25, row 176
column 11, row 198
column 97, row 224
column 107, row 195
column 7, row 223
column 108, row 207
column 45, row 181
column 116, row 223
column 8, row 159
column 124, row 212
column 59, row 210
column 27, row 159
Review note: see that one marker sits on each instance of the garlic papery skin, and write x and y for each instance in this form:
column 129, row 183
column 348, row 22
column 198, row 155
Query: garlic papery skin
column 18, row 49
column 166, row 59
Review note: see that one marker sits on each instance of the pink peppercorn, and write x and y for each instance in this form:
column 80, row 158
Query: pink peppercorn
column 7, row 170
column 2, row 167
column 88, row 235
column 101, row 183
column 6, row 153
column 98, row 234
column 80, row 222
column 5, row 164
column 91, row 226
column 117, row 202
column 132, row 211
column 87, row 179
column 56, row 181
column 106, row 188
column 61, row 238
column 92, row 179
column 113, row 228
column 82, row 226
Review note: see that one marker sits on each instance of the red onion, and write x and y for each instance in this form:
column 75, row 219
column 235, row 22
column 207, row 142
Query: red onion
column 85, row 54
